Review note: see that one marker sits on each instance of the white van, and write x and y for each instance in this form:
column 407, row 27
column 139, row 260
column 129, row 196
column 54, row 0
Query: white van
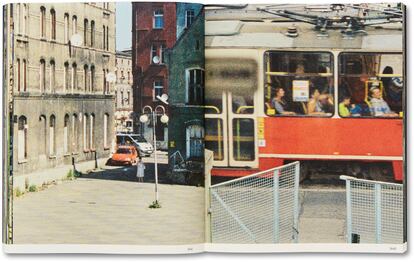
column 142, row 145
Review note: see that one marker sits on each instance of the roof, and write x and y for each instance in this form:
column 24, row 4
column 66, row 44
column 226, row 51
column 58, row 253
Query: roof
column 249, row 27
column 270, row 34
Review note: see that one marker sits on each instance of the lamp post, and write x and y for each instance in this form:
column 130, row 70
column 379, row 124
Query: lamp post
column 164, row 119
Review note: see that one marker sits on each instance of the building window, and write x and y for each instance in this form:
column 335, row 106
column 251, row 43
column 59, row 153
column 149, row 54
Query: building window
column 52, row 76
column 105, row 126
column 104, row 81
column 194, row 141
column 75, row 132
column 85, row 78
column 128, row 99
column 162, row 52
column 24, row 23
column 66, row 134
column 42, row 22
column 129, row 77
column 92, row 33
column 158, row 19
column 24, row 75
column 107, row 38
column 158, row 89
column 103, row 37
column 66, row 77
column 92, row 87
column 153, row 53
column 189, row 17
column 52, row 127
column 85, row 132
column 116, row 99
column 85, row 32
column 92, row 132
column 53, row 24
column 22, row 138
column 195, row 86
column 18, row 69
column 74, row 81
column 19, row 18
column 42, row 135
column 74, row 25
column 66, row 28
column 42, row 74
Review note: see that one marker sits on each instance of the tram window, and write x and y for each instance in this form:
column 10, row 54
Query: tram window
column 213, row 139
column 235, row 76
column 370, row 85
column 243, row 139
column 299, row 84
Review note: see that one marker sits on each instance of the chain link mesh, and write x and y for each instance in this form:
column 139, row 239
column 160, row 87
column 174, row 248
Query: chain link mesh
column 374, row 211
column 260, row 208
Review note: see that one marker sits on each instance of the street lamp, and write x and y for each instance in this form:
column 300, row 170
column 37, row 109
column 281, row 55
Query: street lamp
column 164, row 119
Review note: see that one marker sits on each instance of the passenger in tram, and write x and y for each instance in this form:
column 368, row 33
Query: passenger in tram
column 320, row 104
column 279, row 104
column 393, row 88
column 378, row 106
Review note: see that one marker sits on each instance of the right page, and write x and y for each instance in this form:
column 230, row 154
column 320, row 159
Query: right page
column 304, row 126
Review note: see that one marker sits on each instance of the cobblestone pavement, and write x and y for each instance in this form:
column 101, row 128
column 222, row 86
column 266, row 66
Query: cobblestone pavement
column 110, row 211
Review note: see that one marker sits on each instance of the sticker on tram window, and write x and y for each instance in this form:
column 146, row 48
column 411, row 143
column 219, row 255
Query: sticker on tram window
column 300, row 90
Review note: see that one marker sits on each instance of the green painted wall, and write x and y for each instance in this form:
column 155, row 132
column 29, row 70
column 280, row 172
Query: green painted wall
column 187, row 53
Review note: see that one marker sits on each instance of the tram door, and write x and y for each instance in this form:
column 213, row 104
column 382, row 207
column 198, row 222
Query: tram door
column 229, row 114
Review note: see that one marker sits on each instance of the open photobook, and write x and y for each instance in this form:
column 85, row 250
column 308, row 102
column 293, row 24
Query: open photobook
column 172, row 127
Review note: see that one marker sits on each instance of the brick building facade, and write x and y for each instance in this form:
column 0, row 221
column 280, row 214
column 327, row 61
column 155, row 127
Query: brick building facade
column 155, row 28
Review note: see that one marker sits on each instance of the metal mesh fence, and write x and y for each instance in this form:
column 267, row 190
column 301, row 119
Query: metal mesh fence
column 260, row 208
column 374, row 211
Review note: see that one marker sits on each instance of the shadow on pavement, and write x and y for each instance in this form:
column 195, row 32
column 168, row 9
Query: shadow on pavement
column 128, row 173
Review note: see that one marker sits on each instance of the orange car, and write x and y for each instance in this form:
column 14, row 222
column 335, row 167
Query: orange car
column 124, row 155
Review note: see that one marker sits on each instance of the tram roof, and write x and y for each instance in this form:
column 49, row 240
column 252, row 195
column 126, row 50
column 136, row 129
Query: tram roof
column 249, row 28
column 268, row 34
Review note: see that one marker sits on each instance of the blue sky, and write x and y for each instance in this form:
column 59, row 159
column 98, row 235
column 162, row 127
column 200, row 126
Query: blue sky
column 123, row 25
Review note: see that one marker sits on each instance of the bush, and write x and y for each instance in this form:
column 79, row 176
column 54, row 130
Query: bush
column 32, row 188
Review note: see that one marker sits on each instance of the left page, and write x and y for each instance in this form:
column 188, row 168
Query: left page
column 103, row 136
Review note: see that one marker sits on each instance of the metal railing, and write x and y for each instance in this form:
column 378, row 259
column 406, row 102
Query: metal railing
column 259, row 208
column 374, row 211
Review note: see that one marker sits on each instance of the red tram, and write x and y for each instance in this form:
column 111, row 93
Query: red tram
column 325, row 114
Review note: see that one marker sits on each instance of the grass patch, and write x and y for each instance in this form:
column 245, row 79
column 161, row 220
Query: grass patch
column 70, row 175
column 18, row 192
column 33, row 188
column 155, row 204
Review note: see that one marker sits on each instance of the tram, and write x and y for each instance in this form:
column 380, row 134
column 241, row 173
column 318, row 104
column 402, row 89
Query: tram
column 278, row 91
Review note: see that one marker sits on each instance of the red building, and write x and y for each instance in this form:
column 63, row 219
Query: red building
column 153, row 31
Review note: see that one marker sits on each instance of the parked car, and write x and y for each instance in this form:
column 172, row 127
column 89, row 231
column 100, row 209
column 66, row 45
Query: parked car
column 142, row 145
column 124, row 155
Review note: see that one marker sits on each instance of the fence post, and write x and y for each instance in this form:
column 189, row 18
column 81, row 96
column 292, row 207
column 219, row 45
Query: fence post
column 296, row 204
column 276, row 233
column 348, row 211
column 208, row 164
column 378, row 215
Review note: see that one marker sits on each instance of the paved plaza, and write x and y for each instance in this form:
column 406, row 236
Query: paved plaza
column 110, row 211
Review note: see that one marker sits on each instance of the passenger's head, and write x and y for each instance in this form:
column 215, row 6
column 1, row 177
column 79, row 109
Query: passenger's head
column 300, row 69
column 280, row 92
column 375, row 92
column 315, row 93
column 346, row 100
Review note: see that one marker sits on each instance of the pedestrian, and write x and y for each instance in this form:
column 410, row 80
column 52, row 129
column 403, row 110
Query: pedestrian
column 140, row 170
